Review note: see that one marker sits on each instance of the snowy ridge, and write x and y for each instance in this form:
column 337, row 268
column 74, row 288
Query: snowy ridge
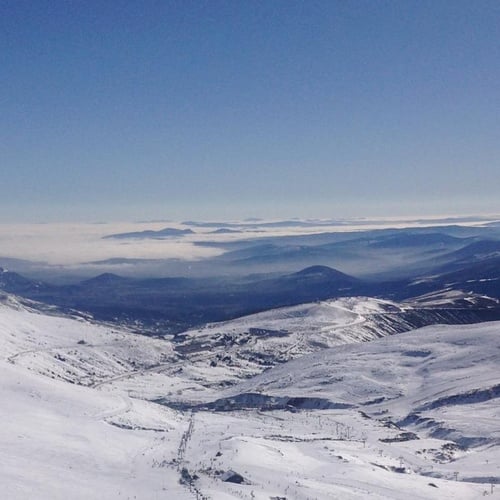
column 226, row 352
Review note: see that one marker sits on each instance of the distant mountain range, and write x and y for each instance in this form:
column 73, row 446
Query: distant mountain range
column 176, row 303
column 379, row 254
column 374, row 255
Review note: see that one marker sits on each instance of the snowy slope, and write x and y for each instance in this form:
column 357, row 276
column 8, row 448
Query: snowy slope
column 437, row 382
column 56, row 442
column 73, row 349
column 416, row 371
column 78, row 420
column 223, row 353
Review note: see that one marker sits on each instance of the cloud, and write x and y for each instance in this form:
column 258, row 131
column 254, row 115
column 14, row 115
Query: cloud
column 73, row 244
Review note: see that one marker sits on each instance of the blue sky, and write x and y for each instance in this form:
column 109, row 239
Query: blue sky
column 226, row 109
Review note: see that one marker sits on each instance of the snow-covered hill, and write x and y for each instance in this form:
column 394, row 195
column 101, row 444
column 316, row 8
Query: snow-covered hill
column 416, row 380
column 79, row 418
column 224, row 352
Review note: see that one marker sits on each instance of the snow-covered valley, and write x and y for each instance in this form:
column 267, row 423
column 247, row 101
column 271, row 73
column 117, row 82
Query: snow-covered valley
column 331, row 405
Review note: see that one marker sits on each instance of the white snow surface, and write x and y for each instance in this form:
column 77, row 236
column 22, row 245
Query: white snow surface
column 78, row 421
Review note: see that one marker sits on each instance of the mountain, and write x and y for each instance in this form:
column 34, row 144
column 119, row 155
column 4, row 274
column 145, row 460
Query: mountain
column 381, row 254
column 259, row 341
column 260, row 223
column 470, row 254
column 15, row 283
column 104, row 279
column 384, row 253
column 478, row 276
column 92, row 411
column 150, row 234
column 173, row 305
column 225, row 230
column 318, row 280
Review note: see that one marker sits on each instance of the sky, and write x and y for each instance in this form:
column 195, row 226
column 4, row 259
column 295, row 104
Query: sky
column 127, row 110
